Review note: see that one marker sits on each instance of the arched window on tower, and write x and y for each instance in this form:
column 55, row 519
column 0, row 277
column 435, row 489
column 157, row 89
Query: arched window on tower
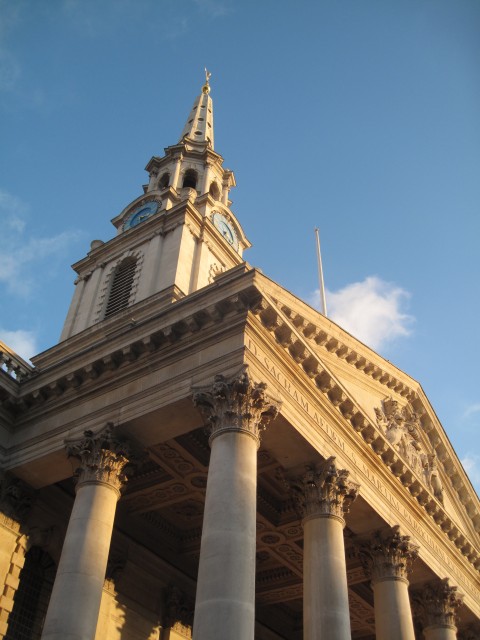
column 214, row 191
column 31, row 599
column 164, row 181
column 190, row 179
column 121, row 287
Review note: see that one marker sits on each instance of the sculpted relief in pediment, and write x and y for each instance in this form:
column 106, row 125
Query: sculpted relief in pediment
column 402, row 428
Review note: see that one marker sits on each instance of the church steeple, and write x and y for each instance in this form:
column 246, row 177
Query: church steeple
column 199, row 125
column 172, row 240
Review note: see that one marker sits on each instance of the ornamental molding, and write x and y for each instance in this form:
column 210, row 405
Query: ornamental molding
column 302, row 338
column 214, row 271
column 388, row 556
column 236, row 403
column 403, row 430
column 16, row 499
column 324, row 491
column 437, row 604
column 79, row 376
column 179, row 610
column 103, row 457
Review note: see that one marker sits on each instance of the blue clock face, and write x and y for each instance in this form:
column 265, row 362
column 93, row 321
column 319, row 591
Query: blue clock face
column 226, row 229
column 140, row 214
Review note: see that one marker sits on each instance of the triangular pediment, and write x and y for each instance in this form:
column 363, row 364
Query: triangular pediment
column 385, row 406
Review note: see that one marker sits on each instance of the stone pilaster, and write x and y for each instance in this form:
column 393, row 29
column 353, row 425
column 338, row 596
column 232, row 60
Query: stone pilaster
column 324, row 494
column 236, row 410
column 16, row 499
column 437, row 606
column 81, row 570
column 178, row 615
column 388, row 560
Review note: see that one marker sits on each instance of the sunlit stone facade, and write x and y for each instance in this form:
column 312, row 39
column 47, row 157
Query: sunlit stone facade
column 205, row 456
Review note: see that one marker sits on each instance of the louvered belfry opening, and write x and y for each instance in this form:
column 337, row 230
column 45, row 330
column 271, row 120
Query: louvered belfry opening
column 121, row 286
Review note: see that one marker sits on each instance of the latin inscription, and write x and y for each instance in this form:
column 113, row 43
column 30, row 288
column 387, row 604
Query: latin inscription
column 365, row 470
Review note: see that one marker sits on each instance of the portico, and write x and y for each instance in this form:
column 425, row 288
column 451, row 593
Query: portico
column 293, row 483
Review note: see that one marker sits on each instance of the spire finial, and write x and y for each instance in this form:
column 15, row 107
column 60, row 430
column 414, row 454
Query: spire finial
column 206, row 86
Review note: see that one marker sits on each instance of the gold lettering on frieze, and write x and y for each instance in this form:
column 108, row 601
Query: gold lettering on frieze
column 365, row 471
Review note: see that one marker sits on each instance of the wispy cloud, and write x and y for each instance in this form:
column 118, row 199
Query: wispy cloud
column 9, row 66
column 214, row 8
column 93, row 19
column 24, row 343
column 21, row 254
column 471, row 464
column 371, row 310
column 471, row 410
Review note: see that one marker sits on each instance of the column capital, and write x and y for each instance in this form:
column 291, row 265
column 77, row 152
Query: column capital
column 324, row 491
column 236, row 404
column 436, row 605
column 103, row 457
column 388, row 557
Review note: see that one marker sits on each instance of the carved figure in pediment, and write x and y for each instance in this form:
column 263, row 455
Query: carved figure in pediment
column 402, row 428
column 433, row 476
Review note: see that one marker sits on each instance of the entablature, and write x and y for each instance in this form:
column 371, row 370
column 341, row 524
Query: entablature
column 287, row 325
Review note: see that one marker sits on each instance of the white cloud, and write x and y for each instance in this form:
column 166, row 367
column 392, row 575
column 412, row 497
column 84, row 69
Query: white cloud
column 24, row 343
column 471, row 464
column 20, row 254
column 472, row 410
column 370, row 310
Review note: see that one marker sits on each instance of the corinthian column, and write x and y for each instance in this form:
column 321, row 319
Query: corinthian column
column 437, row 606
column 75, row 602
column 236, row 410
column 324, row 496
column 388, row 560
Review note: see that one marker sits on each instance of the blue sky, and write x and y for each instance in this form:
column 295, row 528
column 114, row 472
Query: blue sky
column 360, row 117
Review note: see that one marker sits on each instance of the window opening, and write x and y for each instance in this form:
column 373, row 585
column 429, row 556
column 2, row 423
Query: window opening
column 121, row 288
column 31, row 599
column 190, row 179
column 164, row 181
column 214, row 191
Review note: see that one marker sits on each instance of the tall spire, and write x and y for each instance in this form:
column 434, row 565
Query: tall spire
column 199, row 126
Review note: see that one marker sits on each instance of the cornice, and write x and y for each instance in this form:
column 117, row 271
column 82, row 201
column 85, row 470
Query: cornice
column 161, row 224
column 290, row 334
column 120, row 344
column 126, row 339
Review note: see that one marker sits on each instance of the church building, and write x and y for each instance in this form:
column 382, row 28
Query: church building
column 204, row 455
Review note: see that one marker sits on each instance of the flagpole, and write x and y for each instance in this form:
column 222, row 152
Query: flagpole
column 320, row 274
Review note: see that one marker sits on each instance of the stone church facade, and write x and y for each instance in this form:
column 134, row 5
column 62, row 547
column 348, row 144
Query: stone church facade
column 205, row 456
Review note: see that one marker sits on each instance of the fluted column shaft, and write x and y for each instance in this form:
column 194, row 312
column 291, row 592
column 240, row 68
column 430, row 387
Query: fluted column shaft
column 325, row 494
column 388, row 561
column 225, row 600
column 75, row 601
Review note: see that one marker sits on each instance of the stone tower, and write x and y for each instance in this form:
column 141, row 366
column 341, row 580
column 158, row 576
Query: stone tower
column 174, row 238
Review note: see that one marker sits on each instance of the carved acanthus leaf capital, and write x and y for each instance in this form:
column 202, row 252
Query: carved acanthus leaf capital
column 103, row 457
column 388, row 557
column 324, row 491
column 437, row 604
column 236, row 404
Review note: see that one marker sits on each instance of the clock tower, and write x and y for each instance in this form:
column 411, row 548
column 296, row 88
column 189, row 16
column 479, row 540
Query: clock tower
column 172, row 240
